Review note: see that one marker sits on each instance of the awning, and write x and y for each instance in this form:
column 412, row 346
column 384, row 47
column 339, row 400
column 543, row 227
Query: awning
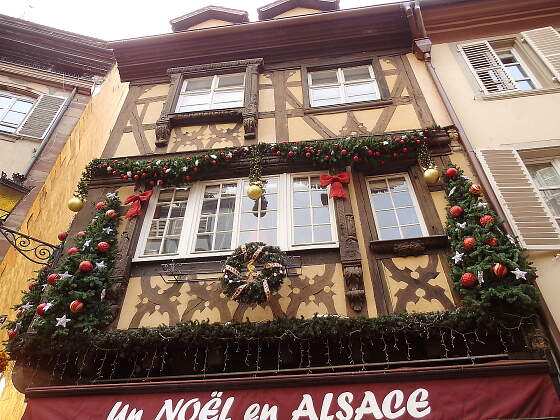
column 506, row 390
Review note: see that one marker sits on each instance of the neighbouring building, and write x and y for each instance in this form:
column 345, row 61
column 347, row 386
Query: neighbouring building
column 314, row 130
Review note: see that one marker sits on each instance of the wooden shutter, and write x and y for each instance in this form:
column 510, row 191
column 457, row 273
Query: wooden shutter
column 41, row 117
column 487, row 67
column 546, row 43
column 521, row 201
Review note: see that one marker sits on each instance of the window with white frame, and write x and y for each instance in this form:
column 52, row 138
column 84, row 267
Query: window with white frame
column 342, row 85
column 517, row 70
column 395, row 208
column 13, row 110
column 215, row 217
column 546, row 177
column 213, row 92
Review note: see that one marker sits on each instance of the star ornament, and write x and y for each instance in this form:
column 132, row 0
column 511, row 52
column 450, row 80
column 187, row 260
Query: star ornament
column 62, row 321
column 462, row 225
column 86, row 243
column 458, row 257
column 107, row 230
column 65, row 275
column 519, row 274
column 451, row 191
column 26, row 306
column 100, row 265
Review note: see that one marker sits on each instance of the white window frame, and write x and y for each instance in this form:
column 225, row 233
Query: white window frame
column 522, row 63
column 555, row 163
column 13, row 99
column 341, row 84
column 284, row 229
column 415, row 204
column 213, row 89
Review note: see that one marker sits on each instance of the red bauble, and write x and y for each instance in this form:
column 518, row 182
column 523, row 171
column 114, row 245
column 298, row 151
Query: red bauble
column 41, row 309
column 103, row 247
column 85, row 266
column 468, row 243
column 484, row 220
column 290, row 153
column 500, row 270
column 308, row 155
column 80, row 234
column 356, row 158
column 456, row 211
column 476, row 189
column 76, row 306
column 344, row 152
column 468, row 280
column 19, row 313
column 32, row 285
column 111, row 214
column 451, row 172
column 492, row 242
column 62, row 236
column 53, row 278
column 370, row 152
column 72, row 251
column 12, row 334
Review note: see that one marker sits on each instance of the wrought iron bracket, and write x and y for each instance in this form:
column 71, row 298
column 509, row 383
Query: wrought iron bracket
column 35, row 250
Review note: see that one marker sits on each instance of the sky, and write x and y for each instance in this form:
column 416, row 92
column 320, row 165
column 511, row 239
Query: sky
column 120, row 19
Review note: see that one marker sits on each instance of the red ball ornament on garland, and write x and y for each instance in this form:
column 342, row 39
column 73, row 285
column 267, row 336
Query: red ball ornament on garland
column 356, row 158
column 53, row 278
column 19, row 313
column 32, row 285
column 475, row 189
column 484, row 220
column 456, row 211
column 492, row 242
column 103, row 247
column 76, row 306
column 111, row 214
column 80, row 234
column 41, row 309
column 468, row 280
column 451, row 173
column 62, row 236
column 500, row 270
column 290, row 153
column 12, row 334
column 72, row 251
column 85, row 266
column 344, row 152
column 468, row 243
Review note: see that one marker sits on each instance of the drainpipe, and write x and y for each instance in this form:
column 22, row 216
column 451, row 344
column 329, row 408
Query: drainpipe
column 422, row 48
column 43, row 144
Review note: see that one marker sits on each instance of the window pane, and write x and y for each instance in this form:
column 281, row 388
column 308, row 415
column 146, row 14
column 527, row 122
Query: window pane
column 301, row 184
column 192, row 100
column 412, row 231
column 229, row 190
column 390, row 233
column 361, row 92
column 206, row 224
column 165, row 196
column 232, row 98
column 356, row 73
column 162, row 210
column 157, row 228
column 227, row 205
column 319, row 198
column 203, row 243
column 382, row 202
column 301, row 199
column 268, row 237
column 326, row 95
column 223, row 241
column 323, row 77
column 22, row 106
column 398, row 184
column 209, row 206
column 198, row 84
column 386, row 218
column 321, row 215
column 552, row 199
column 525, row 85
column 544, row 175
column 407, row 216
column 13, row 118
column 516, row 71
column 402, row 199
column 302, row 235
column 248, row 204
column 248, row 236
column 225, row 222
column 152, row 246
column 249, row 221
column 181, row 194
column 231, row 80
column 174, row 226
column 268, row 219
column 7, row 128
column 170, row 246
column 378, row 187
column 178, row 209
column 4, row 102
column 269, row 202
column 302, row 217
column 271, row 186
column 322, row 233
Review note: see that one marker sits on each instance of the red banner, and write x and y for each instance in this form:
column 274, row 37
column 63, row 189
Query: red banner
column 475, row 398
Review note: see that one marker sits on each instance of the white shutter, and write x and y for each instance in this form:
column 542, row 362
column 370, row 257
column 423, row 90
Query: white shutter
column 487, row 67
column 41, row 116
column 525, row 210
column 546, row 43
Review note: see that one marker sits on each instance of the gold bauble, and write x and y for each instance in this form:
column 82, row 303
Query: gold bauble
column 431, row 176
column 75, row 204
column 254, row 192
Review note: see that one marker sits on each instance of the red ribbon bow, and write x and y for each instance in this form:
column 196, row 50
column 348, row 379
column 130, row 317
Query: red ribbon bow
column 136, row 200
column 336, row 181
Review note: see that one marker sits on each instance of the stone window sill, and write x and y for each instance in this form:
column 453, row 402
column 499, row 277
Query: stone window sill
column 519, row 94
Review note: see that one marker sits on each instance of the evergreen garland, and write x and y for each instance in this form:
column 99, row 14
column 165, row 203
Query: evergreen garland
column 273, row 262
column 85, row 287
column 491, row 293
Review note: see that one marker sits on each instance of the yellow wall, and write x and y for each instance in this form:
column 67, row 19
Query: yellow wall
column 297, row 12
column 210, row 23
column 49, row 214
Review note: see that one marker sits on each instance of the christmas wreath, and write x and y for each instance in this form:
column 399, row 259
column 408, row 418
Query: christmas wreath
column 243, row 283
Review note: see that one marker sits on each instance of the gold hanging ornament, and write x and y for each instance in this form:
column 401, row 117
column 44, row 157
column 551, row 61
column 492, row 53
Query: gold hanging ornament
column 431, row 175
column 75, row 204
column 255, row 191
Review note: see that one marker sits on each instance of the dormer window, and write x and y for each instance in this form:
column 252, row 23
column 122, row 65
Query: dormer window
column 214, row 92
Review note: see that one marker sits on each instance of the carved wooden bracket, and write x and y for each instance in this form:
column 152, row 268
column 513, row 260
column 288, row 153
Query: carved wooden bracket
column 408, row 247
column 248, row 114
column 354, row 282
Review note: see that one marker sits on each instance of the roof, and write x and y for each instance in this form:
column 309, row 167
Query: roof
column 271, row 10
column 48, row 48
column 206, row 13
